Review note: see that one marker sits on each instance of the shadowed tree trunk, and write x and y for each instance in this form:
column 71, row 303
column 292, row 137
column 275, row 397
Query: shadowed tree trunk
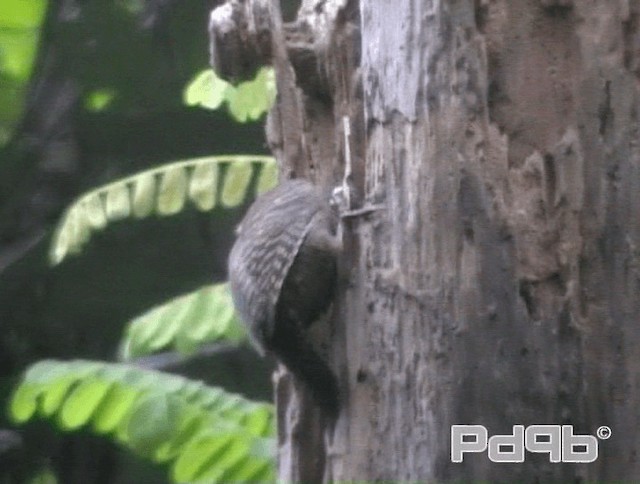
column 498, row 286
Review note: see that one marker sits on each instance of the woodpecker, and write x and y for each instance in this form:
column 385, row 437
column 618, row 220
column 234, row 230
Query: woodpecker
column 282, row 273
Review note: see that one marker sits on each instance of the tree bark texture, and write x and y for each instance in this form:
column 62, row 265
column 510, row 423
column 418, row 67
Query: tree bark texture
column 498, row 286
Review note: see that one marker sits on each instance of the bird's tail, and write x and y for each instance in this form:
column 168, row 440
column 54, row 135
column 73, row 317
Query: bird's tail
column 292, row 348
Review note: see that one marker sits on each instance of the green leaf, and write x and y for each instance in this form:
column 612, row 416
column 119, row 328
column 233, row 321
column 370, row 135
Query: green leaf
column 55, row 396
column 93, row 208
column 43, row 476
column 189, row 427
column 153, row 421
column 20, row 25
column 211, row 318
column 247, row 101
column 18, row 49
column 144, row 195
column 18, row 14
column 252, row 99
column 185, row 324
column 114, row 408
column 258, row 423
column 82, row 402
column 203, row 433
column 268, row 178
column 249, row 470
column 23, row 404
column 118, row 205
column 140, row 195
column 200, row 451
column 99, row 100
column 203, row 186
column 236, row 182
column 173, row 190
column 207, row 90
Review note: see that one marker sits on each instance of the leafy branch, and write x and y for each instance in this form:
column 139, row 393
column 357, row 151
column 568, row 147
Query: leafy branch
column 204, row 433
column 184, row 324
column 246, row 102
column 204, row 182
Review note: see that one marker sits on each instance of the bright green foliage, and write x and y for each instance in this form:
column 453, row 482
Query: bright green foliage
column 20, row 23
column 99, row 100
column 203, row 433
column 207, row 90
column 185, row 324
column 43, row 476
column 202, row 182
column 247, row 101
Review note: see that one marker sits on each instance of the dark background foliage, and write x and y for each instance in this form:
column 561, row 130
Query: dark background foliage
column 141, row 55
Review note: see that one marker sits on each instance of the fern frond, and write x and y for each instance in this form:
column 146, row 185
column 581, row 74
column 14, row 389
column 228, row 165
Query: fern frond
column 164, row 191
column 204, row 433
column 184, row 324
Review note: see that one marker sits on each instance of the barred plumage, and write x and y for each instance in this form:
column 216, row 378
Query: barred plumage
column 282, row 271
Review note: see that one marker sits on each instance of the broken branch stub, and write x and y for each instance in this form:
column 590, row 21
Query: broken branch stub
column 240, row 38
column 242, row 35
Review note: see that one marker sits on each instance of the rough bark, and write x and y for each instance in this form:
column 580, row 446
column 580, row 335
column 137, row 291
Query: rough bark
column 499, row 285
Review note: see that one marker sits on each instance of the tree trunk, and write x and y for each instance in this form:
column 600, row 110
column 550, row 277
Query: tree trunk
column 498, row 286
